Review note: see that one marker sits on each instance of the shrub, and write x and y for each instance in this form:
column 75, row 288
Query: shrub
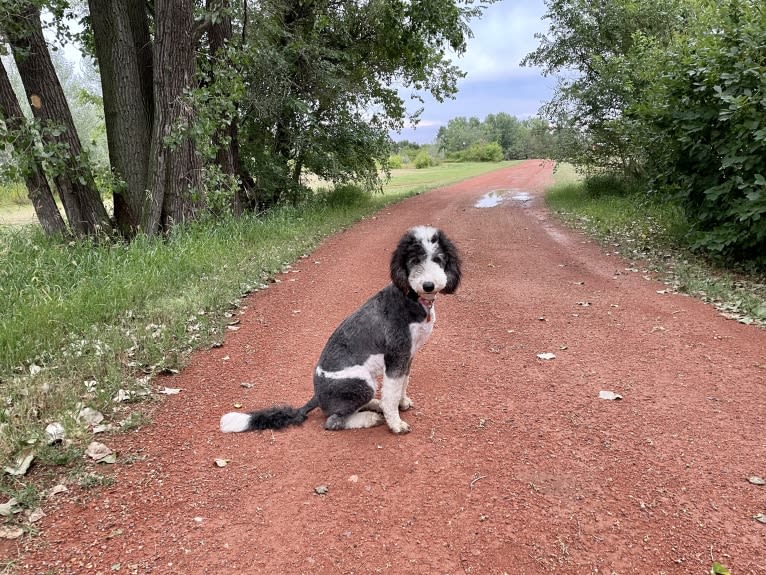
column 710, row 149
column 481, row 152
column 395, row 162
column 345, row 195
column 423, row 160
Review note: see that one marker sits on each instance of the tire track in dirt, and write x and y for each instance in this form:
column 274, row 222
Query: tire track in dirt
column 514, row 465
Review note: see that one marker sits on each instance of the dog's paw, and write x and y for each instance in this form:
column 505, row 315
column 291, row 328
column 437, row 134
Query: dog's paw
column 400, row 427
column 406, row 403
column 335, row 423
column 373, row 405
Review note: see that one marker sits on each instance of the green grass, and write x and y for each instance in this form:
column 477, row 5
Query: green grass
column 413, row 179
column 13, row 194
column 622, row 216
column 642, row 227
column 81, row 321
column 15, row 206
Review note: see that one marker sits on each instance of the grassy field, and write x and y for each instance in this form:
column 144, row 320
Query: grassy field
column 412, row 179
column 15, row 206
column 16, row 209
column 13, row 194
column 645, row 229
column 88, row 325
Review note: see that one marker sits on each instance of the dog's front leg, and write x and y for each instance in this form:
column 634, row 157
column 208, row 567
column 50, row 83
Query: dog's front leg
column 390, row 396
column 405, row 402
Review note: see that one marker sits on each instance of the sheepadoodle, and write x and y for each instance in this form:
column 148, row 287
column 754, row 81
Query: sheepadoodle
column 377, row 341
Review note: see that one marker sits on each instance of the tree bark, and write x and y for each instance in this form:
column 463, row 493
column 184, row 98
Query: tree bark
column 174, row 170
column 82, row 204
column 123, row 49
column 37, row 184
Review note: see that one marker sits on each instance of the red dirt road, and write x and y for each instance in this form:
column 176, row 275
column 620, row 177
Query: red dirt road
column 514, row 464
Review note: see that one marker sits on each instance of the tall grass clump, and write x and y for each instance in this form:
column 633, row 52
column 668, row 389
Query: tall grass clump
column 619, row 212
column 420, row 180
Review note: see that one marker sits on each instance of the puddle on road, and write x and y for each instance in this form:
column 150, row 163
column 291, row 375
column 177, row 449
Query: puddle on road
column 489, row 200
column 496, row 197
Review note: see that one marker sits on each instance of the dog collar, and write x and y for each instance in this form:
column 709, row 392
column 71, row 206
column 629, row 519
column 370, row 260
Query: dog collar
column 428, row 305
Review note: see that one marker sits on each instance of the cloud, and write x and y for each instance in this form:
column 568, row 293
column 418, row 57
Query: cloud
column 424, row 124
column 502, row 38
column 495, row 80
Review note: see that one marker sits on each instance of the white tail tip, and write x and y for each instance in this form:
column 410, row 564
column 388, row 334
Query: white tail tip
column 234, row 422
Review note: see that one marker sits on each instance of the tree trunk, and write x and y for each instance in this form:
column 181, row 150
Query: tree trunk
column 121, row 33
column 174, row 170
column 82, row 203
column 227, row 157
column 37, row 184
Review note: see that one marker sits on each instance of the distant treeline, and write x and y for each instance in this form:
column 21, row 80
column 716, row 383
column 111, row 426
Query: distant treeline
column 499, row 137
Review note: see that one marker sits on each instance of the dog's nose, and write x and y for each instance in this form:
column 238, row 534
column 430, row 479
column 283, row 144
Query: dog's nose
column 428, row 287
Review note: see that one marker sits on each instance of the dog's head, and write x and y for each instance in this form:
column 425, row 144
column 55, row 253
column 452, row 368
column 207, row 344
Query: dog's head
column 425, row 262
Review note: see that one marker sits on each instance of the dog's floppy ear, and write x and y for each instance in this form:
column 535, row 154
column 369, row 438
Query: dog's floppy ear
column 399, row 274
column 452, row 263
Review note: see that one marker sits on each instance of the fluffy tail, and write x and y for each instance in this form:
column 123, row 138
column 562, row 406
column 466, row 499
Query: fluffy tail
column 277, row 417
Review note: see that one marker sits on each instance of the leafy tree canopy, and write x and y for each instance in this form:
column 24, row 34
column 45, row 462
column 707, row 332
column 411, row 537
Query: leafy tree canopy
column 668, row 93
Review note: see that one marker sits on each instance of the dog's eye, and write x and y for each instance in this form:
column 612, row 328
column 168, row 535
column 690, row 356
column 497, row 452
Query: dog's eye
column 434, row 239
column 438, row 260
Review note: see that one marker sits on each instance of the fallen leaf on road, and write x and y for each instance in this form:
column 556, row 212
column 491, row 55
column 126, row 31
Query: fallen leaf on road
column 321, row 489
column 36, row 515
column 56, row 489
column 8, row 532
column 546, row 355
column 10, row 507
column 170, row 390
column 756, row 480
column 100, row 453
column 21, row 463
column 90, row 416
column 221, row 462
column 609, row 395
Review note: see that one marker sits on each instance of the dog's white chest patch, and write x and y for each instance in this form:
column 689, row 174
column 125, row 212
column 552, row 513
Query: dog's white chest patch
column 420, row 332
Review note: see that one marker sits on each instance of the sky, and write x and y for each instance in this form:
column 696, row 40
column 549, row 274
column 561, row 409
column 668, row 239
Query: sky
column 495, row 80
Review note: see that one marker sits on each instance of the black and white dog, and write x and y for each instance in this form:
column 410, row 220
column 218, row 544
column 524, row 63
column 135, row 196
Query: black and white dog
column 378, row 340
